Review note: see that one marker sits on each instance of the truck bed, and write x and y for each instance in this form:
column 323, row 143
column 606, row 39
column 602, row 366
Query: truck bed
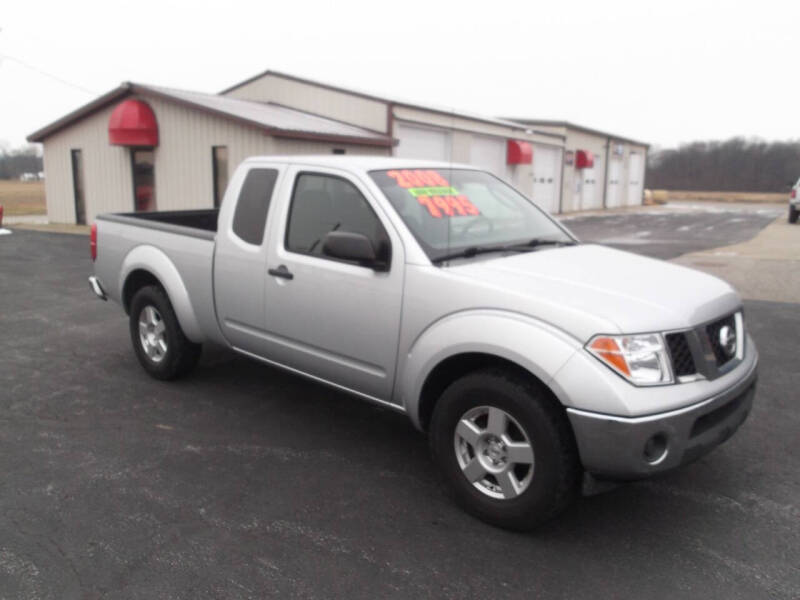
column 177, row 247
column 196, row 223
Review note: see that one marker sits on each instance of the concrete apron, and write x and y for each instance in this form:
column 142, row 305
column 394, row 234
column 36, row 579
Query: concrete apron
column 766, row 267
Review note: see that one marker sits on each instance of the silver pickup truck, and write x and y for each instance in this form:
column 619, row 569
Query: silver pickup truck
column 536, row 363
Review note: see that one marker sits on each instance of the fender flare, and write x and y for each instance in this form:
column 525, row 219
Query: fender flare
column 158, row 264
column 534, row 345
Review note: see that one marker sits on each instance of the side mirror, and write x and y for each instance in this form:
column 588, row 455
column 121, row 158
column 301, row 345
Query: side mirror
column 352, row 246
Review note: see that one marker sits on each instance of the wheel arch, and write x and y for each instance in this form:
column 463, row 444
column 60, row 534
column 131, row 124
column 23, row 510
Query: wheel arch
column 147, row 265
column 448, row 350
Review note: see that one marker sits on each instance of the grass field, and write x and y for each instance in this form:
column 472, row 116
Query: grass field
column 22, row 197
column 669, row 195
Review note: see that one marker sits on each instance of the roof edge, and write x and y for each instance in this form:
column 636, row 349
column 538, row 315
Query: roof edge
column 144, row 90
column 570, row 125
column 41, row 134
column 390, row 102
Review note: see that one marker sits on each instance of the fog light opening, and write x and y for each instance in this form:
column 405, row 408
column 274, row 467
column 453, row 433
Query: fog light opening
column 655, row 448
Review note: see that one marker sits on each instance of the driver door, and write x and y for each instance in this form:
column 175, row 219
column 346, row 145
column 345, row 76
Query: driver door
column 328, row 317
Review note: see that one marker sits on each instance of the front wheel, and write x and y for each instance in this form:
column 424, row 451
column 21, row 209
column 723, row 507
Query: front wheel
column 505, row 448
column 158, row 340
column 793, row 213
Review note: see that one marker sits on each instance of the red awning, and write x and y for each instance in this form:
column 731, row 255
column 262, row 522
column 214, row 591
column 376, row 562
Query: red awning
column 133, row 124
column 519, row 153
column 584, row 159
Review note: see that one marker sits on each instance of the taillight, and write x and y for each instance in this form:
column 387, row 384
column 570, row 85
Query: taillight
column 93, row 242
column 1, row 215
column 794, row 193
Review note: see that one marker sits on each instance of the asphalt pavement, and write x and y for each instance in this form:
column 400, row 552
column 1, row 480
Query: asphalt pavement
column 243, row 481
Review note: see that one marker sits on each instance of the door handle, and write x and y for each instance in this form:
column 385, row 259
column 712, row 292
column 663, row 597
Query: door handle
column 281, row 271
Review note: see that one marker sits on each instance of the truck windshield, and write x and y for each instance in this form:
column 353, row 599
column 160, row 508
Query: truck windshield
column 452, row 211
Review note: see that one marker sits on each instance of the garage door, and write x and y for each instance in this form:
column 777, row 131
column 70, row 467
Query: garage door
column 489, row 153
column 635, row 179
column 421, row 142
column 546, row 177
column 614, row 195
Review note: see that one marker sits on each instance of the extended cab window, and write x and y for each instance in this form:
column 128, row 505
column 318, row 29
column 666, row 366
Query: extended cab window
column 325, row 203
column 250, row 217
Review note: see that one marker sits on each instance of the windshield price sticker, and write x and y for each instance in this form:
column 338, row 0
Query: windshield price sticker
column 450, row 206
column 435, row 193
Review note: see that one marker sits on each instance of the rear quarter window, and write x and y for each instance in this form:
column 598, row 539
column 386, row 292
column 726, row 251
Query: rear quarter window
column 250, row 217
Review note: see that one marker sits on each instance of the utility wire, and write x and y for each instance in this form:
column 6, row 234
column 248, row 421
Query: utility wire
column 46, row 74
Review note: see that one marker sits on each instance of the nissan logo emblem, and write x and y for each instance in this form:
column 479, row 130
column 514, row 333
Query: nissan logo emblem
column 727, row 340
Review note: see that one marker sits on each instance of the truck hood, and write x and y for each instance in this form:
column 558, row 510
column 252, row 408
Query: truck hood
column 589, row 289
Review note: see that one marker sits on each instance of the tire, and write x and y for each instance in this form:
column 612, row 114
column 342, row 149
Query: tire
column 152, row 318
column 793, row 213
column 532, row 416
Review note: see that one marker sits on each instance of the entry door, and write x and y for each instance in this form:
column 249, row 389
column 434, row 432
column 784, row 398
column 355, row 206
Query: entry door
column 77, row 187
column 332, row 318
column 635, row 179
column 613, row 193
column 546, row 180
column 588, row 189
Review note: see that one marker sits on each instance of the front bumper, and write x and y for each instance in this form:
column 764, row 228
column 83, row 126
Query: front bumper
column 623, row 448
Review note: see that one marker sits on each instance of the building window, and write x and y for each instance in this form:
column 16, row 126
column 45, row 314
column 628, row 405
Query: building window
column 219, row 167
column 338, row 150
column 250, row 218
column 77, row 187
column 144, row 184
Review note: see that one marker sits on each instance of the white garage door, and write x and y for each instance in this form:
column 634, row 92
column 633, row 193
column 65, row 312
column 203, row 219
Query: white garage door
column 588, row 189
column 489, row 153
column 635, row 179
column 614, row 195
column 546, row 177
column 421, row 142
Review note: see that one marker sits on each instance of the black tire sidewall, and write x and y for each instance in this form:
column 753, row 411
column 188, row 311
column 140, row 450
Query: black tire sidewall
column 528, row 406
column 793, row 214
column 169, row 366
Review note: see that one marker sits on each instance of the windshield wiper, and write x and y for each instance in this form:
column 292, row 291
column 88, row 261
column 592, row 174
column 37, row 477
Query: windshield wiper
column 471, row 251
column 542, row 242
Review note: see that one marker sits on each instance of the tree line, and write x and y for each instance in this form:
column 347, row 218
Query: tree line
column 13, row 163
column 737, row 164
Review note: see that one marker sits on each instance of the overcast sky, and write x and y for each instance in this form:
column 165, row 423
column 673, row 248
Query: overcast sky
column 663, row 72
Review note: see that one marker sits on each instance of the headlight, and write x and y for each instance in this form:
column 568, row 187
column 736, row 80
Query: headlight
column 641, row 359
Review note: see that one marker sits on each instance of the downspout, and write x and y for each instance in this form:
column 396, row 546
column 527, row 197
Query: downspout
column 561, row 187
column 605, row 179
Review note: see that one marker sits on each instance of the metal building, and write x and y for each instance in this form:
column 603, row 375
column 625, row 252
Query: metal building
column 142, row 147
column 506, row 148
column 601, row 170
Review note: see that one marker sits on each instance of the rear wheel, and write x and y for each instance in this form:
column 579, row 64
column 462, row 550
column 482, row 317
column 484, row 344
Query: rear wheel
column 793, row 213
column 505, row 448
column 158, row 340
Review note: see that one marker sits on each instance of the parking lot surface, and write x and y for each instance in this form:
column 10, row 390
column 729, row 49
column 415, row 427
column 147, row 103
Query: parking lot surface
column 243, row 481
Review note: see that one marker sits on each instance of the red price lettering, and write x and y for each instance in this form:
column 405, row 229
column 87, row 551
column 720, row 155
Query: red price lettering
column 428, row 203
column 442, row 204
column 468, row 206
column 400, row 178
column 437, row 179
column 454, row 203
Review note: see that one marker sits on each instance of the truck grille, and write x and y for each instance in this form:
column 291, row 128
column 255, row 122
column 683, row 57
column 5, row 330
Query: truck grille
column 712, row 331
column 681, row 355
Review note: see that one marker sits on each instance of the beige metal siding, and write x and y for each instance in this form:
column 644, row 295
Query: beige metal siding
column 290, row 146
column 183, row 172
column 435, row 119
column 107, row 170
column 343, row 106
